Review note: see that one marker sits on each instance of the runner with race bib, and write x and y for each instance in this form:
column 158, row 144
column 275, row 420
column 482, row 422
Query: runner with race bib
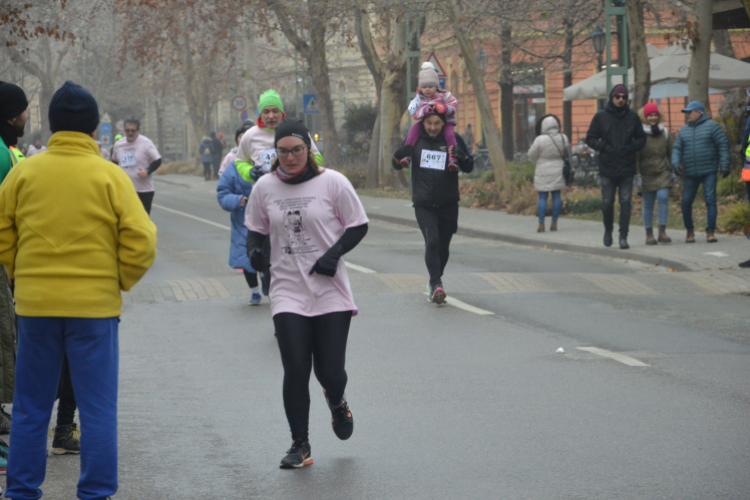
column 138, row 156
column 257, row 151
column 435, row 193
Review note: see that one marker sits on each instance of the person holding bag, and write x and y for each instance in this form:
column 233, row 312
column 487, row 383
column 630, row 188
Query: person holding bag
column 655, row 170
column 549, row 153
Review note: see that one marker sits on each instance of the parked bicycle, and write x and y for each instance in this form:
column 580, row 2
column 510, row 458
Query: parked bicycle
column 482, row 160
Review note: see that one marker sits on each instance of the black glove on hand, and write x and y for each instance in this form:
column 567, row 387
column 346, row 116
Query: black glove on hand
column 327, row 264
column 257, row 260
column 256, row 173
column 458, row 153
column 724, row 174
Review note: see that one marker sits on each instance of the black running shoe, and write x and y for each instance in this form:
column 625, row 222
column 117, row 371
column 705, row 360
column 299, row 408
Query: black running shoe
column 297, row 456
column 341, row 419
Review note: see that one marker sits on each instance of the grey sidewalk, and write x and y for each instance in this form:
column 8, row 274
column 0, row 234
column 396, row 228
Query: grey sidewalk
column 583, row 237
column 573, row 236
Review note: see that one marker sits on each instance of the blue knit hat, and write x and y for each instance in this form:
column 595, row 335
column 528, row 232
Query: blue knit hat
column 73, row 109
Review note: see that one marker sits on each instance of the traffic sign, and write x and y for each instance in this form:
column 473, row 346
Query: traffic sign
column 120, row 125
column 441, row 82
column 105, row 139
column 105, row 128
column 309, row 104
column 106, row 119
column 243, row 116
column 239, row 103
column 432, row 58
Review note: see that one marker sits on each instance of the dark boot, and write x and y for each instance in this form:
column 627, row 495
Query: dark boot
column 650, row 240
column 540, row 229
column 745, row 264
column 607, row 237
column 624, row 243
column 553, row 226
column 67, row 440
column 663, row 238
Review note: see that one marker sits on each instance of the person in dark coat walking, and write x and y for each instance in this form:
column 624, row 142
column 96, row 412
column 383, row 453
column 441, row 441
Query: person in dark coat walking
column 616, row 132
column 217, row 153
column 435, row 194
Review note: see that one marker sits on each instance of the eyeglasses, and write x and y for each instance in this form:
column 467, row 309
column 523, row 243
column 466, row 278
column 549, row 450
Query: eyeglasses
column 131, row 130
column 620, row 96
column 296, row 151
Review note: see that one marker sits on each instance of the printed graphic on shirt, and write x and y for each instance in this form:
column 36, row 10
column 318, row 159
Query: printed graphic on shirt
column 127, row 159
column 433, row 159
column 294, row 215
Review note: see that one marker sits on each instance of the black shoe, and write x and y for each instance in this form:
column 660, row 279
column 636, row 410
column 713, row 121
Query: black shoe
column 745, row 264
column 297, row 456
column 624, row 243
column 607, row 238
column 341, row 419
column 67, row 440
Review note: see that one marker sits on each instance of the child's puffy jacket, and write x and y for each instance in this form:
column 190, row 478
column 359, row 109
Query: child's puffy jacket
column 420, row 104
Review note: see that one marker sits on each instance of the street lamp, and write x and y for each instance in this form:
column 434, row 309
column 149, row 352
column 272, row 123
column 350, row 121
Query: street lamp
column 482, row 58
column 599, row 40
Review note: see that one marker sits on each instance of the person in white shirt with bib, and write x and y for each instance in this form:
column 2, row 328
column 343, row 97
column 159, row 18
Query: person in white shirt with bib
column 138, row 156
column 435, row 194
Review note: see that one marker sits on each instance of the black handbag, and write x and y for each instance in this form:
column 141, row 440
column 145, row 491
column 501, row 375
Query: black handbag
column 568, row 173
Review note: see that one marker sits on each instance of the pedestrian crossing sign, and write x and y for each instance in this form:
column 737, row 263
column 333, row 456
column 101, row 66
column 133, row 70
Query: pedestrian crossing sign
column 309, row 104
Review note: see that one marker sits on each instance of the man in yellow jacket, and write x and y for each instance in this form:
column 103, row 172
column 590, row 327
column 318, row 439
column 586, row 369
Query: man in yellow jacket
column 73, row 234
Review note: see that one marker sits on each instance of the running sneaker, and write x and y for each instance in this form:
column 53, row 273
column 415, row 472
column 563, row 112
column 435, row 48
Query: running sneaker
column 437, row 294
column 255, row 299
column 341, row 419
column 265, row 282
column 297, row 456
column 67, row 439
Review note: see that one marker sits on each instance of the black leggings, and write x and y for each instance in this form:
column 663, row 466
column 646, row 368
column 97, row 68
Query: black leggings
column 207, row 171
column 438, row 225
column 146, row 199
column 304, row 343
column 251, row 278
column 66, row 408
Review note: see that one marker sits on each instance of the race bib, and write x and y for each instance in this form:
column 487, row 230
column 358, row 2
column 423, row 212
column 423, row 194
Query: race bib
column 266, row 159
column 433, row 159
column 127, row 159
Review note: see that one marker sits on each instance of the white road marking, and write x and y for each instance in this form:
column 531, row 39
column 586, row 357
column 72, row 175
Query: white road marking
column 626, row 360
column 466, row 307
column 717, row 254
column 450, row 301
column 361, row 269
column 178, row 212
column 354, row 267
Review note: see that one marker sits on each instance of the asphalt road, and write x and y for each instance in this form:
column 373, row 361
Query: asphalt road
column 470, row 400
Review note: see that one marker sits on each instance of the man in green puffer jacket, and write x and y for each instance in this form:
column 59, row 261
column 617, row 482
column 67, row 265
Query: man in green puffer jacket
column 702, row 147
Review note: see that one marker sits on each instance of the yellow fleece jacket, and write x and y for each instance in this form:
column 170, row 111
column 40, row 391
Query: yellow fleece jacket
column 73, row 232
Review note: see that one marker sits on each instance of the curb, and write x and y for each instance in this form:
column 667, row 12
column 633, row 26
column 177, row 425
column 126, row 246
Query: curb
column 520, row 240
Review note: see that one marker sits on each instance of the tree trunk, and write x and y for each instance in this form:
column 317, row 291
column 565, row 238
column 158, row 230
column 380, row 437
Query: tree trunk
column 319, row 67
column 568, row 77
column 373, row 158
column 489, row 128
column 506, row 92
column 638, row 54
column 701, row 59
column 393, row 100
column 160, row 123
column 377, row 70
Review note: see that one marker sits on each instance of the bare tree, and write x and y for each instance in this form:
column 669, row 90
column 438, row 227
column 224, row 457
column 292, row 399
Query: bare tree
column 638, row 53
column 701, row 48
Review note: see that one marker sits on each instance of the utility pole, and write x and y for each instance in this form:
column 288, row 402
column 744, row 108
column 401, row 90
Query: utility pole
column 616, row 8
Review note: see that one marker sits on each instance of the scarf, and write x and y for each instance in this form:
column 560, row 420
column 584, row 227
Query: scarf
column 656, row 130
column 299, row 178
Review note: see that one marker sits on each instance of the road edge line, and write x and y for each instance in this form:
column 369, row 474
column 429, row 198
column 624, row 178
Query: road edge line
column 626, row 360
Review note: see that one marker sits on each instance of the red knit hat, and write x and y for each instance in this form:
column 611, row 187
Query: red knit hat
column 650, row 108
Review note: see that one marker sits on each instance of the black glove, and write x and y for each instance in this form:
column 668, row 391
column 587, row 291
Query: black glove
column 725, row 174
column 459, row 154
column 256, row 173
column 328, row 263
column 257, row 260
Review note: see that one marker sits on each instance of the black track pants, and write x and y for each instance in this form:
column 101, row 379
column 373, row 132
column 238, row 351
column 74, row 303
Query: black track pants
column 147, row 198
column 66, row 408
column 438, row 225
column 307, row 342
column 251, row 278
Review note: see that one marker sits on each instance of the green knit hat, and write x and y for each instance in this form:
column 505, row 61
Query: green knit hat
column 270, row 98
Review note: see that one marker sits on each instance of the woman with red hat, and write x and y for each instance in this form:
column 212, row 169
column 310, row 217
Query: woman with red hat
column 655, row 171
